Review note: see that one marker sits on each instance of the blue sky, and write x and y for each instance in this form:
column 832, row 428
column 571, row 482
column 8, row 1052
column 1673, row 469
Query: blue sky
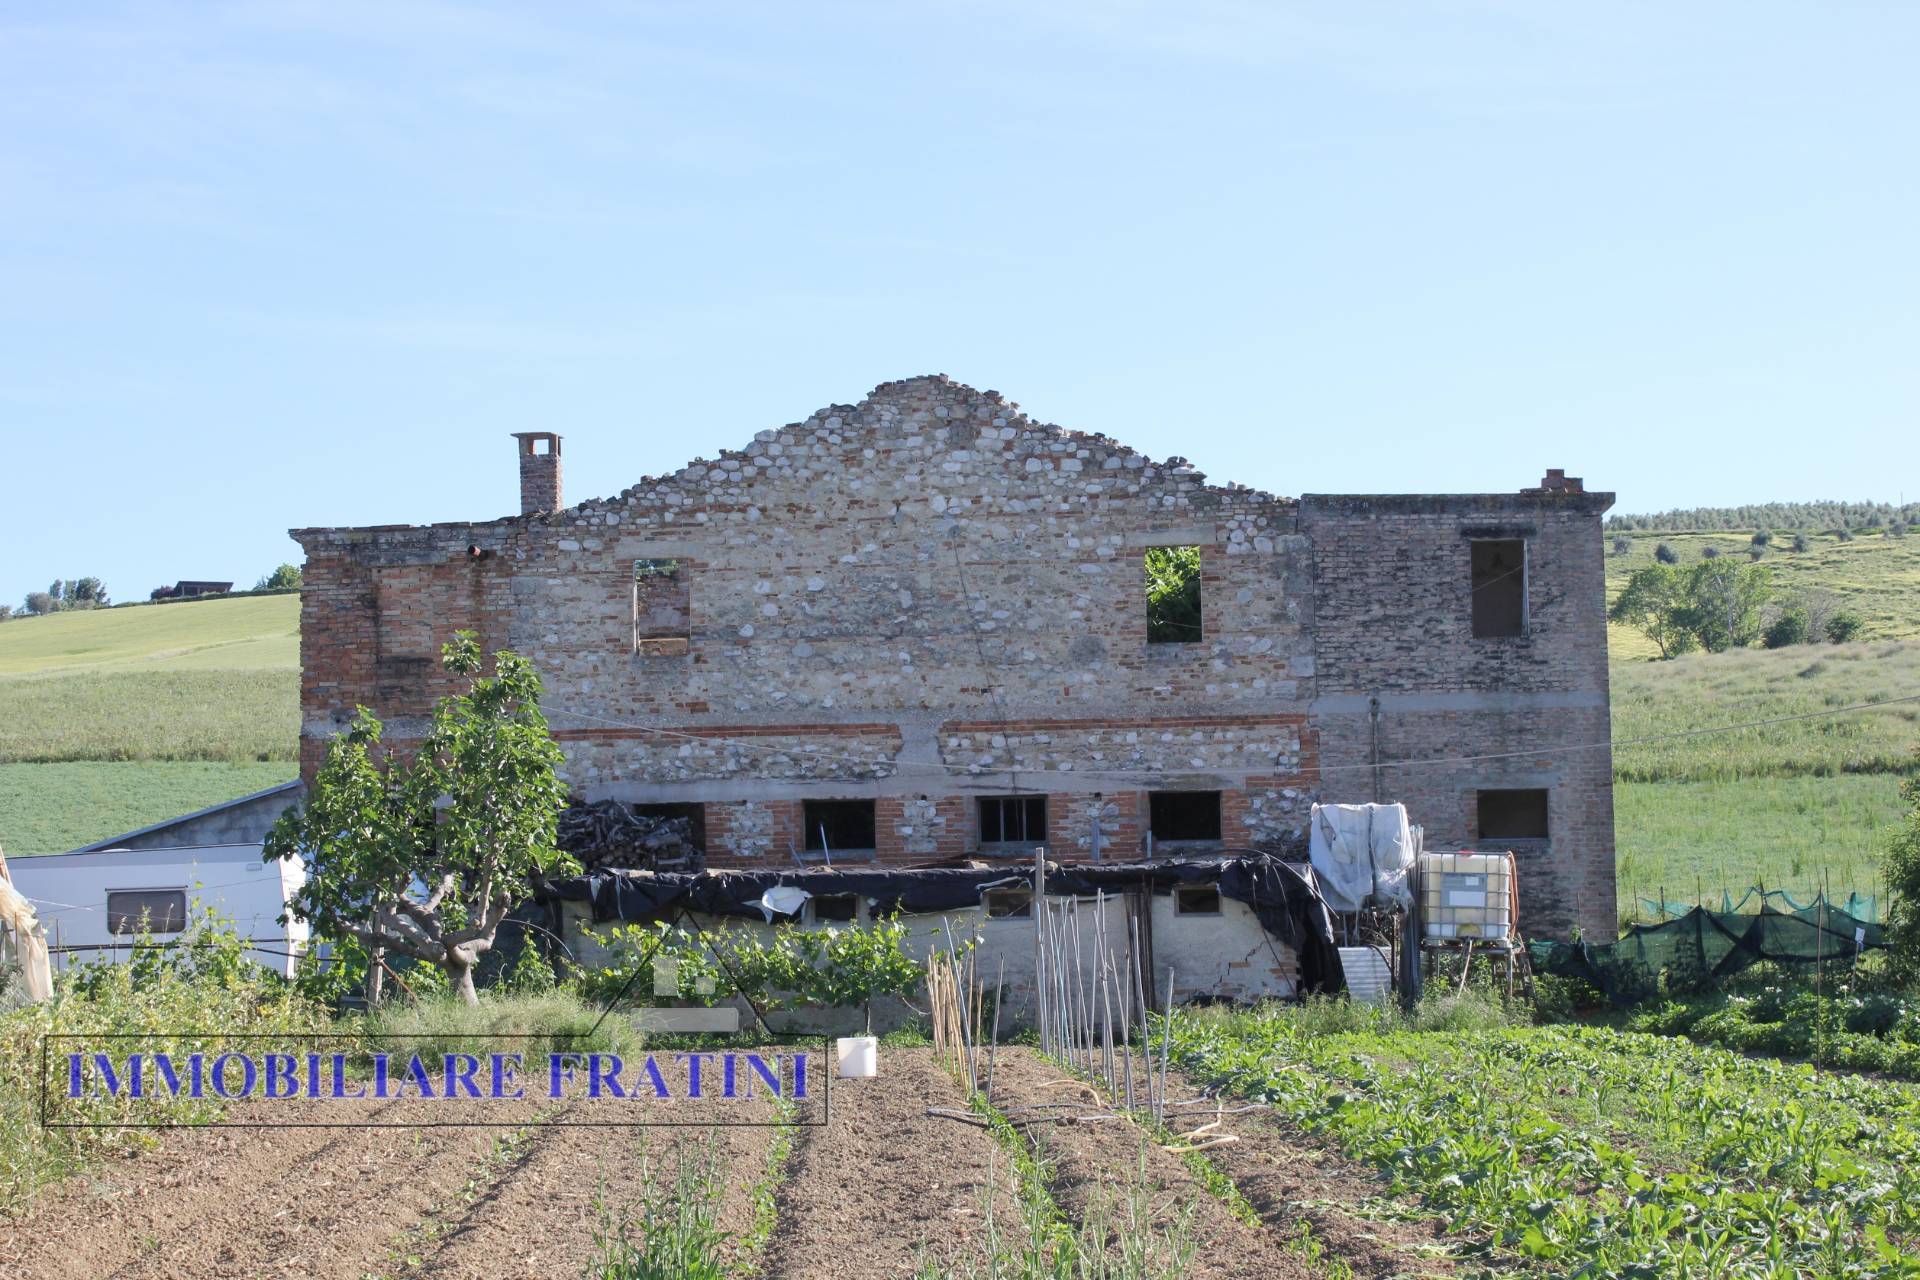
column 264, row 266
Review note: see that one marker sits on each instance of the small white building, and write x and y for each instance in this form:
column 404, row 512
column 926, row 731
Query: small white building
column 95, row 902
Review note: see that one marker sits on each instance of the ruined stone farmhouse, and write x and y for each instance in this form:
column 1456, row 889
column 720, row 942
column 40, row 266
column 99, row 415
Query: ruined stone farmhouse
column 916, row 628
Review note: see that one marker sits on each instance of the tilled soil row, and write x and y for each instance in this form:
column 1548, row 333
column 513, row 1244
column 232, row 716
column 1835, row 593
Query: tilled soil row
column 539, row 1216
column 1093, row 1166
column 254, row 1202
column 1288, row 1176
column 885, row 1184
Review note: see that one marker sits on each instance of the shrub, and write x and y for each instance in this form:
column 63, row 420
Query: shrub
column 1173, row 595
column 555, row 1021
column 1844, row 626
column 1843, row 535
column 1799, row 542
column 1709, row 553
column 1897, row 530
column 284, row 578
column 188, row 998
column 1903, row 884
column 1789, row 628
column 1666, row 554
column 1762, row 538
column 844, row 967
column 1622, row 545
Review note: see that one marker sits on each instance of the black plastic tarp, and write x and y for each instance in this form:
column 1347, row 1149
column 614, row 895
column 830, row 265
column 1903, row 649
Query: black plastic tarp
column 1284, row 895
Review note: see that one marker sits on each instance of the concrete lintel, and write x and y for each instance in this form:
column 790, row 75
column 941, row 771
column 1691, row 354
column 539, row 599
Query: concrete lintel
column 1056, row 782
column 1335, row 704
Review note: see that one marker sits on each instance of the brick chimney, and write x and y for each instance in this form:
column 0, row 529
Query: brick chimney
column 1558, row 481
column 539, row 472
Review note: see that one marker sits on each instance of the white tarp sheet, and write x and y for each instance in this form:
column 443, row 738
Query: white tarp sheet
column 1362, row 851
column 26, row 944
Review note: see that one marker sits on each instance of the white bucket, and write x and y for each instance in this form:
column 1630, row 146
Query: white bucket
column 859, row 1057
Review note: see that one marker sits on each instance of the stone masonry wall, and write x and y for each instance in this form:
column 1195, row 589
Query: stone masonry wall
column 928, row 597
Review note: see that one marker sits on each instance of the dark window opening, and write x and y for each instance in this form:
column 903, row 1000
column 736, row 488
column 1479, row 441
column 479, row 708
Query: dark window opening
column 146, row 911
column 1173, row 595
column 1017, row 820
column 833, row 907
column 1519, row 814
column 662, row 607
column 1184, row 815
column 834, row 826
column 1499, row 587
column 1197, row 900
column 1008, row 904
column 695, row 814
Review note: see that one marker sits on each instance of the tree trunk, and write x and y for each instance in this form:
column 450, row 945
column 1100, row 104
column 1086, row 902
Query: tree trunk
column 376, row 971
column 460, row 978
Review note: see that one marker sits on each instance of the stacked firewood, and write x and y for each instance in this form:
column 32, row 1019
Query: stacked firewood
column 610, row 834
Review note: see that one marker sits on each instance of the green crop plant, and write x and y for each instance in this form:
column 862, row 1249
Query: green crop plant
column 1589, row 1152
column 672, row 1233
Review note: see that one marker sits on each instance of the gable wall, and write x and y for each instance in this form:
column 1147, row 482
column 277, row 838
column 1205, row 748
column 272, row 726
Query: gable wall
column 916, row 599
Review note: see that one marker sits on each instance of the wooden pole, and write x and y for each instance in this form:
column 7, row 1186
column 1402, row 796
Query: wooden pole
column 1040, row 944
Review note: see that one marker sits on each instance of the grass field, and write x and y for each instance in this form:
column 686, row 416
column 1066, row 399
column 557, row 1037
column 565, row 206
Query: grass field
column 47, row 808
column 249, row 633
column 111, row 719
column 1876, row 576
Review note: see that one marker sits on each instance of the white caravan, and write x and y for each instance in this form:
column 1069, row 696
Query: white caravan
column 94, row 903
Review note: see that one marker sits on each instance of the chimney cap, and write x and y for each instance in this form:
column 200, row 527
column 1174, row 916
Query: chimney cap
column 528, row 439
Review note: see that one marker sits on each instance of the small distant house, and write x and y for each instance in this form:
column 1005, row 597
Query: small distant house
column 190, row 587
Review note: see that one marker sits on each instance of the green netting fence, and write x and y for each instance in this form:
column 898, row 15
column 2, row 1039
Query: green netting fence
column 1861, row 906
column 1695, row 948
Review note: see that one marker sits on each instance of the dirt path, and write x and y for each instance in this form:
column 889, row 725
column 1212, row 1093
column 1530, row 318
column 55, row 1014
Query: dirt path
column 865, row 1195
column 1094, row 1164
column 1288, row 1176
column 251, row 1202
column 538, row 1216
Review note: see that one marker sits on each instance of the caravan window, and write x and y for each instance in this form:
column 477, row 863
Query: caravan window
column 146, row 910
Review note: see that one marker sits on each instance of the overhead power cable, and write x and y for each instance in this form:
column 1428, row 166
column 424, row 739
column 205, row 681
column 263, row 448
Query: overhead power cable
column 948, row 770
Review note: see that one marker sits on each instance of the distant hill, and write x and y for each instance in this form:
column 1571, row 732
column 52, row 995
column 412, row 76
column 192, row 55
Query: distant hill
column 1775, row 516
column 114, row 718
column 1874, row 574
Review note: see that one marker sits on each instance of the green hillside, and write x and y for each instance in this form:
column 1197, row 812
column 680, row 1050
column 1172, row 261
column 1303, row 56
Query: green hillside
column 114, row 718
column 1794, row 805
column 1874, row 574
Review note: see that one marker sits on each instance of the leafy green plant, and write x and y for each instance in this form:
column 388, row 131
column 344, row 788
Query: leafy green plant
column 672, row 1233
column 1173, row 595
column 427, row 856
column 178, row 1000
column 1903, row 882
column 791, row 967
column 1598, row 1153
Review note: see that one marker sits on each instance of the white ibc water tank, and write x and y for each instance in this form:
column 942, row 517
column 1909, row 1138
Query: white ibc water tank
column 1466, row 895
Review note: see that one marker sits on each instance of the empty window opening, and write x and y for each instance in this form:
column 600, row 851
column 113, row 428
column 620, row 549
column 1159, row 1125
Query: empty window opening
column 832, row 908
column 1196, row 900
column 1499, row 587
column 146, row 911
column 1173, row 595
column 1013, row 820
column 1008, row 904
column 1519, row 814
column 837, row 827
column 1183, row 815
column 662, row 607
